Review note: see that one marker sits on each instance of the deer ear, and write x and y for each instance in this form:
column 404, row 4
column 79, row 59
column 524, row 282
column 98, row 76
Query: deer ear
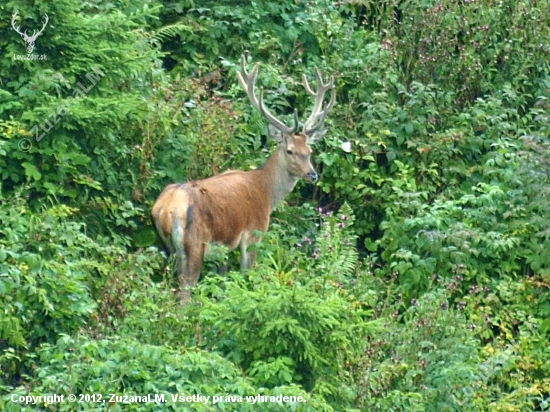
column 316, row 136
column 275, row 133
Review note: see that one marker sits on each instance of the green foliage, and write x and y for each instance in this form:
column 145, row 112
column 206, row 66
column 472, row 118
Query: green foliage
column 477, row 45
column 69, row 138
column 284, row 326
column 129, row 368
column 336, row 246
column 489, row 226
column 287, row 320
column 413, row 276
column 42, row 282
column 418, row 362
column 216, row 29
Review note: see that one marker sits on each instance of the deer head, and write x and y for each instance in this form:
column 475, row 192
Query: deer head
column 294, row 146
column 29, row 40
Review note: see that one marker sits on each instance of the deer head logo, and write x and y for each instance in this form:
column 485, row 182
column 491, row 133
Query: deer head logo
column 29, row 40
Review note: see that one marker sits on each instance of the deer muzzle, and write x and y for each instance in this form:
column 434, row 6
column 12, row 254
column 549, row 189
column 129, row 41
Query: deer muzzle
column 311, row 177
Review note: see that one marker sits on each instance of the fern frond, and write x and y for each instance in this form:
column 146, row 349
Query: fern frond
column 172, row 30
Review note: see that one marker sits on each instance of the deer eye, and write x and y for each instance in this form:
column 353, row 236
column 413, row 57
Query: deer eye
column 289, row 152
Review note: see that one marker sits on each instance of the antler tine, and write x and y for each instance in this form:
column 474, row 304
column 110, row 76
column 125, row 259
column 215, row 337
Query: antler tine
column 320, row 84
column 319, row 96
column 323, row 114
column 13, row 24
column 43, row 26
column 247, row 82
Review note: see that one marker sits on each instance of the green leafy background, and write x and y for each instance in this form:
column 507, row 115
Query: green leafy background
column 413, row 276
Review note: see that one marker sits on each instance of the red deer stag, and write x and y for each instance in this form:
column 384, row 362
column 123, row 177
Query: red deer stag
column 229, row 208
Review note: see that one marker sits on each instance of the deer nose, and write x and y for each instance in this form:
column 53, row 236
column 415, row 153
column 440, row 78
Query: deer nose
column 312, row 177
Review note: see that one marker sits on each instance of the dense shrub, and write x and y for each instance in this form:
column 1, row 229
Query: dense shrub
column 413, row 276
column 43, row 269
column 82, row 366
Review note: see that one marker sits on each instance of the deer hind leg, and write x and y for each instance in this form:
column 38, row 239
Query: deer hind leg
column 248, row 257
column 166, row 238
column 191, row 270
column 189, row 256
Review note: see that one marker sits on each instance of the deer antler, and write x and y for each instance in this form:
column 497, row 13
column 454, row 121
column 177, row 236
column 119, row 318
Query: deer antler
column 35, row 35
column 247, row 81
column 25, row 36
column 17, row 28
column 318, row 111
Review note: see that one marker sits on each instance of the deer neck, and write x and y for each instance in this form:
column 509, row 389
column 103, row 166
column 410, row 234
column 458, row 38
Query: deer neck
column 278, row 181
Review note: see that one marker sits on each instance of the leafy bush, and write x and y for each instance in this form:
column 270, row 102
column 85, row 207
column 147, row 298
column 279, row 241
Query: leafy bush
column 43, row 266
column 427, row 290
column 283, row 325
column 129, row 368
